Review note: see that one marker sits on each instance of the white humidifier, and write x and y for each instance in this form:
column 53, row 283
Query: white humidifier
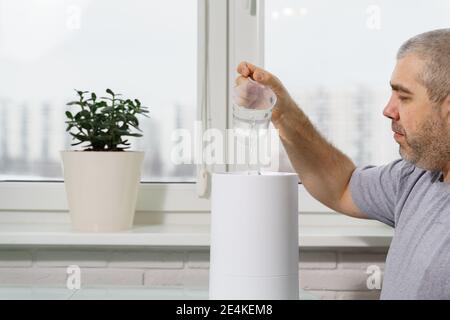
column 254, row 236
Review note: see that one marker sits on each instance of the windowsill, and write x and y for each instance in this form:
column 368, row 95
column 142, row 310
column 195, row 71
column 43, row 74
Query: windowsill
column 112, row 293
column 333, row 231
column 167, row 215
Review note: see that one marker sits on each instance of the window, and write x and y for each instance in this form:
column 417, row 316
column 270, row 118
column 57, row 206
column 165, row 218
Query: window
column 336, row 58
column 142, row 49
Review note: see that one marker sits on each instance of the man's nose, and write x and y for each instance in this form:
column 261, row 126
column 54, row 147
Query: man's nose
column 391, row 109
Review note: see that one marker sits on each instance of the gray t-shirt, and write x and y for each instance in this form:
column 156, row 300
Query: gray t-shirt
column 416, row 203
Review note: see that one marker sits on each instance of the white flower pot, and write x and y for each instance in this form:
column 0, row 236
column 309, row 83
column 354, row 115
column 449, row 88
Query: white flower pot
column 101, row 188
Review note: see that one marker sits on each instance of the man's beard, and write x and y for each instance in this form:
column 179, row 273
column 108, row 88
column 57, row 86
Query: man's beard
column 429, row 148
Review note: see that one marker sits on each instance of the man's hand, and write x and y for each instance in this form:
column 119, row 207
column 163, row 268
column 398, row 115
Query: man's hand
column 284, row 102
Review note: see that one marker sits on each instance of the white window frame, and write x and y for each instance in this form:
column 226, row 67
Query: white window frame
column 246, row 43
column 235, row 34
column 50, row 196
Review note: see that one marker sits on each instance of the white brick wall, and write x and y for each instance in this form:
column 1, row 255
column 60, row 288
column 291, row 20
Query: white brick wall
column 333, row 280
column 327, row 274
column 63, row 258
column 147, row 259
column 164, row 278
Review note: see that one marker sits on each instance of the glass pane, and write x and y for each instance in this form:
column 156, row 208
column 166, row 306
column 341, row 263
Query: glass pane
column 336, row 59
column 142, row 49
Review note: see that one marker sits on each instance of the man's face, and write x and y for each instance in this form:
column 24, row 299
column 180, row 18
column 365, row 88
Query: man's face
column 419, row 126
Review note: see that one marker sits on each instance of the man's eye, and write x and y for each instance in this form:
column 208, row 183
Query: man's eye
column 403, row 98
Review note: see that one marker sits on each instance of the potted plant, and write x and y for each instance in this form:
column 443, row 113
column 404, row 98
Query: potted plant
column 102, row 180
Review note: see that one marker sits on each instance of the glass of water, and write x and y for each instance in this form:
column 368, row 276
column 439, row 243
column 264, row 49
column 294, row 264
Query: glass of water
column 252, row 105
column 252, row 111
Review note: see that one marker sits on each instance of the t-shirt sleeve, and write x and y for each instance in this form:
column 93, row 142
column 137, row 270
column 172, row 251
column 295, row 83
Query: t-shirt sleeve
column 374, row 189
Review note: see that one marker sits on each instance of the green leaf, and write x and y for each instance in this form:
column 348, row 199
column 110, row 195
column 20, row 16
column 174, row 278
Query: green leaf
column 137, row 128
column 92, row 107
column 85, row 113
column 107, row 109
column 132, row 119
column 120, row 131
column 93, row 96
column 133, row 135
column 71, row 103
column 110, row 92
column 69, row 115
column 80, row 137
column 86, row 125
column 101, row 104
column 75, row 144
column 103, row 138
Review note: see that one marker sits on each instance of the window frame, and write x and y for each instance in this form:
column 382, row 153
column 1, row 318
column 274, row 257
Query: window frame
column 246, row 43
column 226, row 18
column 173, row 212
column 178, row 196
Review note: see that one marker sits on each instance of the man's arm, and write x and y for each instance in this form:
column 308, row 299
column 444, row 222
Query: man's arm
column 324, row 170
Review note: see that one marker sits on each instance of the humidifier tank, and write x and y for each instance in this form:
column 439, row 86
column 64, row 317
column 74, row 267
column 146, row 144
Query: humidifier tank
column 254, row 236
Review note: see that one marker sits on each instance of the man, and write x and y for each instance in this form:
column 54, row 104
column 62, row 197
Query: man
column 411, row 194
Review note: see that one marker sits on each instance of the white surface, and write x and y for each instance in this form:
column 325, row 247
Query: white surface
column 182, row 235
column 254, row 236
column 125, row 293
column 168, row 215
column 32, row 293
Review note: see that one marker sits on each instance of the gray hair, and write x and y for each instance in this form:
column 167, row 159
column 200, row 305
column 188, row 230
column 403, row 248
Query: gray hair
column 433, row 48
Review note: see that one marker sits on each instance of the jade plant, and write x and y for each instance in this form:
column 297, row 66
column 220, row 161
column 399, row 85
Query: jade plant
column 103, row 122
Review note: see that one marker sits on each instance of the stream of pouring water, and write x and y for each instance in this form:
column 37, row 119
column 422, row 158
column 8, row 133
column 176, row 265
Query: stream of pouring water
column 255, row 149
